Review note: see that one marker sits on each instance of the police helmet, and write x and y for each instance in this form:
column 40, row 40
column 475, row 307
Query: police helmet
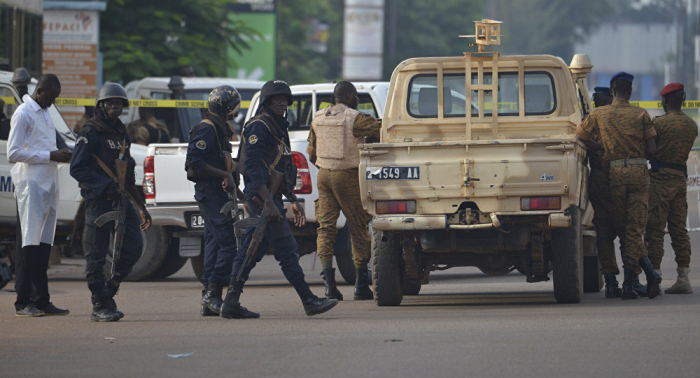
column 224, row 100
column 275, row 88
column 111, row 90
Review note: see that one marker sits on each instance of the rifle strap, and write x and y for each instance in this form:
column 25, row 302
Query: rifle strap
column 282, row 146
column 104, row 166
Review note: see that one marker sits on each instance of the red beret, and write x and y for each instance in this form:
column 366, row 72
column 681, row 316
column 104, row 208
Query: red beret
column 670, row 88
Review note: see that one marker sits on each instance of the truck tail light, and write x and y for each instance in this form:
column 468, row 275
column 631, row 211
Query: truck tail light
column 395, row 207
column 303, row 185
column 540, row 203
column 149, row 183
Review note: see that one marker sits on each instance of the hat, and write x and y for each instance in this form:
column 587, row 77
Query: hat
column 602, row 90
column 673, row 87
column 622, row 76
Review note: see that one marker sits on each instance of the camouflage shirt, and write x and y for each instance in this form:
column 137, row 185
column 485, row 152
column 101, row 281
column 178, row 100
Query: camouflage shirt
column 365, row 125
column 676, row 133
column 623, row 130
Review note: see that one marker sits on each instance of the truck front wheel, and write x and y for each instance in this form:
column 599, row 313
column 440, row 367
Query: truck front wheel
column 387, row 267
column 567, row 260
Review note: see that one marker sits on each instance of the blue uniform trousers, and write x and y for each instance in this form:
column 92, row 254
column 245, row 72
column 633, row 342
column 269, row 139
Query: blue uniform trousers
column 219, row 239
column 280, row 238
column 97, row 241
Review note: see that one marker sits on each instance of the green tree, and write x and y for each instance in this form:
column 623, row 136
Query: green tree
column 297, row 64
column 416, row 28
column 548, row 26
column 152, row 38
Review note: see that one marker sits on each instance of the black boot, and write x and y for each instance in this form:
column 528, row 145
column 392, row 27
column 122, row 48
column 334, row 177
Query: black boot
column 212, row 298
column 332, row 291
column 204, row 311
column 653, row 277
column 232, row 309
column 628, row 285
column 101, row 311
column 314, row 305
column 638, row 287
column 362, row 290
column 111, row 289
column 612, row 290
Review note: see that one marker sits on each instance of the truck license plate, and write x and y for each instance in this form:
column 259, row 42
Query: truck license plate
column 393, row 173
column 197, row 220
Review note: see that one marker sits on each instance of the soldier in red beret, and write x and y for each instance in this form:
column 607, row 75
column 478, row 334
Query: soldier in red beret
column 675, row 135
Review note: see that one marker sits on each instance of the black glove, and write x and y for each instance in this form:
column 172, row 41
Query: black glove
column 654, row 164
column 112, row 191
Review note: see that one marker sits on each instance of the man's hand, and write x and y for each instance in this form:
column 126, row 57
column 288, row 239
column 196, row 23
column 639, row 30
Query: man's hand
column 299, row 214
column 145, row 219
column 271, row 212
column 228, row 184
column 61, row 156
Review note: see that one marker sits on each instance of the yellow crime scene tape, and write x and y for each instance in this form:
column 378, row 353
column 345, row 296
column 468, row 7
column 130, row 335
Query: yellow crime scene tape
column 61, row 101
column 197, row 104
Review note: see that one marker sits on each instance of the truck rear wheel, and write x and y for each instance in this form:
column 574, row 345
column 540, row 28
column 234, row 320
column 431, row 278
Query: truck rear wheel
column 567, row 260
column 155, row 248
column 173, row 261
column 388, row 268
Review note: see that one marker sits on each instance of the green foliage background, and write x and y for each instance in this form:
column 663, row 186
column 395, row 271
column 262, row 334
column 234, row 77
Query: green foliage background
column 151, row 38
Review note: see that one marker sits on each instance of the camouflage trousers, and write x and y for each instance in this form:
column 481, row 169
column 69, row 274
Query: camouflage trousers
column 599, row 194
column 668, row 204
column 629, row 216
column 340, row 190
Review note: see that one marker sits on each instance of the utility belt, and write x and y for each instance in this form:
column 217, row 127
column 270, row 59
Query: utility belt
column 208, row 185
column 626, row 162
column 656, row 165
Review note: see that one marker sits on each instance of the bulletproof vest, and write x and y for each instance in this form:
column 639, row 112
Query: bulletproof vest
column 284, row 164
column 111, row 140
column 336, row 147
column 156, row 135
column 228, row 164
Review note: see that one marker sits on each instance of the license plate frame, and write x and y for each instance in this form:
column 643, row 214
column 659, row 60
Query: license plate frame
column 196, row 220
column 393, row 173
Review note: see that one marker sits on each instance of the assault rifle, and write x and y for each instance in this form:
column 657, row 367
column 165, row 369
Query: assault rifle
column 275, row 182
column 119, row 214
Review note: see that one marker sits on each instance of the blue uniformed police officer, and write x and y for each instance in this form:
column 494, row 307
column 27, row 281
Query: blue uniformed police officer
column 265, row 140
column 209, row 165
column 103, row 140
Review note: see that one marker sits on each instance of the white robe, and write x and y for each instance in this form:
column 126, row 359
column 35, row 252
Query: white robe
column 31, row 140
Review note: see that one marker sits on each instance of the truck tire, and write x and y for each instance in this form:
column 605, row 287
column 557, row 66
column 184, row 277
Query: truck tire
column 388, row 269
column 411, row 287
column 198, row 265
column 155, row 248
column 567, row 260
column 173, row 262
column 592, row 276
column 342, row 249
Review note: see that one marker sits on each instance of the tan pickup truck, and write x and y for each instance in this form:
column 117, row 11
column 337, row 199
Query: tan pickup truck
column 453, row 183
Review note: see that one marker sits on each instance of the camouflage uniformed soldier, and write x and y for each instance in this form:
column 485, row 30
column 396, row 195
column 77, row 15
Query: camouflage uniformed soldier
column 147, row 129
column 335, row 133
column 676, row 133
column 599, row 194
column 627, row 135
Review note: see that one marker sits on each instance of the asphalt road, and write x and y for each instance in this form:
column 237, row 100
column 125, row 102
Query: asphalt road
column 462, row 324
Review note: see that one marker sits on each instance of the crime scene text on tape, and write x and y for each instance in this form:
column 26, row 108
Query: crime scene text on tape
column 693, row 183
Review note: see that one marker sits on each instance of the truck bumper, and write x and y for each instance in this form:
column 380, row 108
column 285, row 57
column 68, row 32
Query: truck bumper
column 439, row 222
column 172, row 215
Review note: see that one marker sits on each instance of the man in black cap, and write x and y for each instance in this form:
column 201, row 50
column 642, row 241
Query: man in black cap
column 627, row 136
column 265, row 147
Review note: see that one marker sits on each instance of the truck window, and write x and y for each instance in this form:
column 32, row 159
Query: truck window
column 539, row 95
column 299, row 114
